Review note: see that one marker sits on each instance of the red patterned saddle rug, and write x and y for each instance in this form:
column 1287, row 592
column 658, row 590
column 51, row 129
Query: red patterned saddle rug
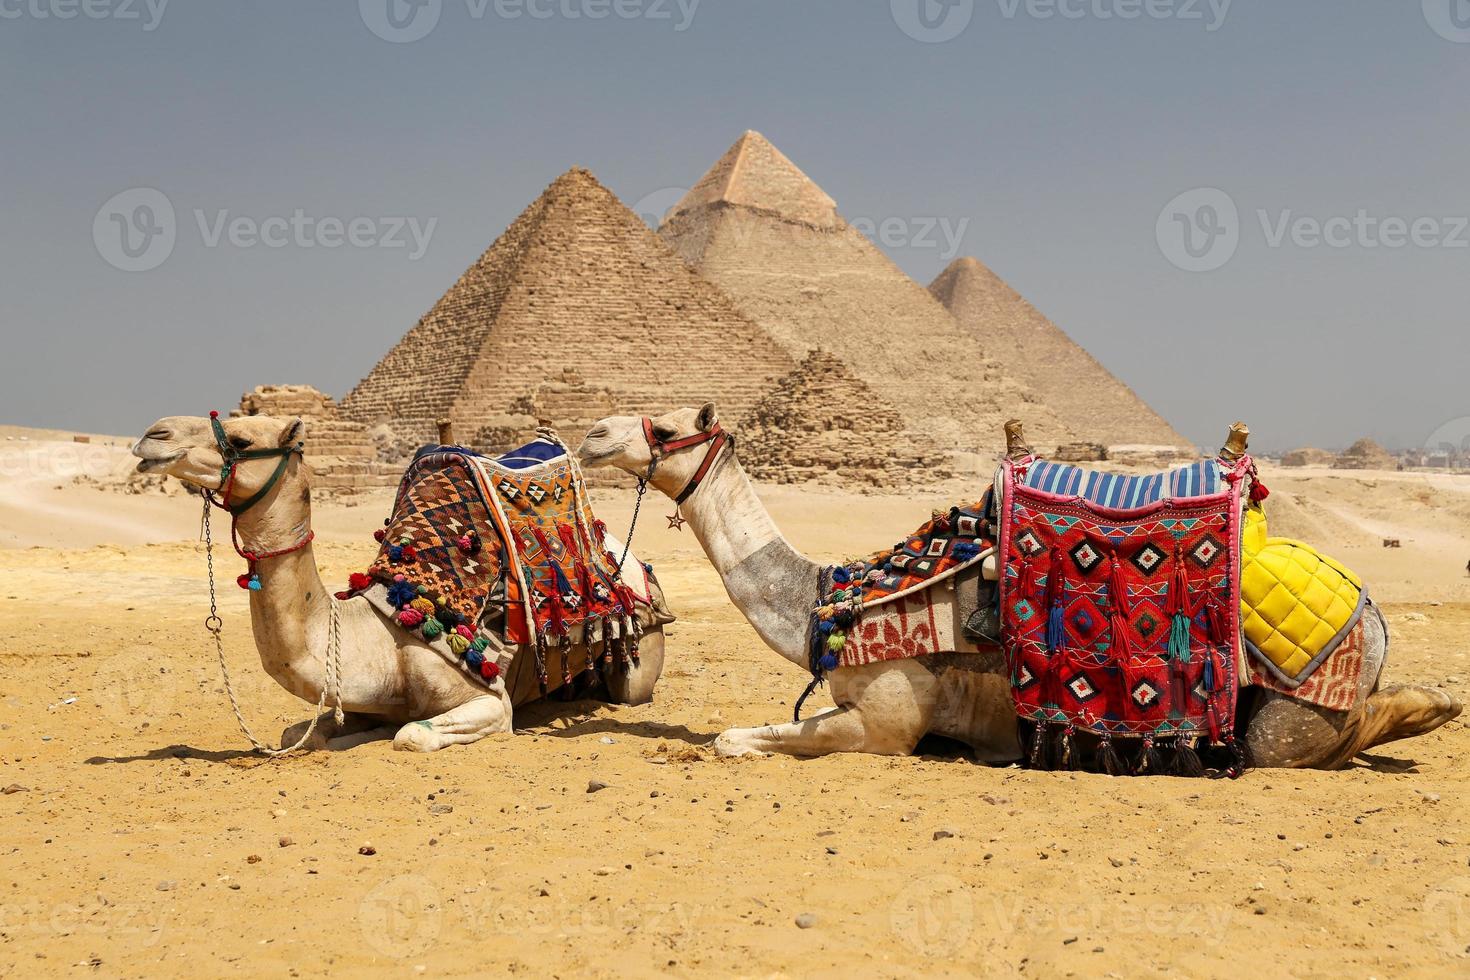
column 481, row 557
column 1122, row 621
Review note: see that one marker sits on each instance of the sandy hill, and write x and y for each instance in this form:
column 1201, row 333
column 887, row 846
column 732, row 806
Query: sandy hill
column 1087, row 397
column 766, row 234
column 577, row 311
column 820, row 422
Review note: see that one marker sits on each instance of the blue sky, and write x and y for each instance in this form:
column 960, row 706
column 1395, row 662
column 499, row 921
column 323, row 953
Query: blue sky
column 1069, row 144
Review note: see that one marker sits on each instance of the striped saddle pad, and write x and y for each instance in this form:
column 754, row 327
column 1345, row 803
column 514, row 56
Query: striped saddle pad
column 1115, row 490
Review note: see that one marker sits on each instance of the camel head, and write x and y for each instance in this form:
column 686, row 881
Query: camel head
column 619, row 440
column 184, row 447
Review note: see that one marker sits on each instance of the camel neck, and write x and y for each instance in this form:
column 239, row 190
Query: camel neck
column 772, row 584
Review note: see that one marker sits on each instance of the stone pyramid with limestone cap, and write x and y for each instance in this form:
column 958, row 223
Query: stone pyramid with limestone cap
column 1089, row 399
column 577, row 311
column 769, row 237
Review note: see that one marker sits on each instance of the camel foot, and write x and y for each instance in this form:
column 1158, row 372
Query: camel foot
column 328, row 733
column 737, row 742
column 467, row 723
column 1405, row 711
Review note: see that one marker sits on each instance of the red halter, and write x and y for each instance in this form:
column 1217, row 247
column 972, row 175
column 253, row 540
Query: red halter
column 715, row 436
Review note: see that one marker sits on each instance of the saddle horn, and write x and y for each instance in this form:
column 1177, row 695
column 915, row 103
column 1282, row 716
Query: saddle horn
column 1236, row 443
column 446, row 432
column 1016, row 446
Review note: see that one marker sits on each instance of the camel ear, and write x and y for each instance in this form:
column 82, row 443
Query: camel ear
column 707, row 417
column 294, row 433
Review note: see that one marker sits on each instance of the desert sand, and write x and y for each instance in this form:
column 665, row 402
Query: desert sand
column 139, row 838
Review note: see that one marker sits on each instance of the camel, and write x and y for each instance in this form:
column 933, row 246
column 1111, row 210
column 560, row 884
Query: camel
column 886, row 708
column 391, row 685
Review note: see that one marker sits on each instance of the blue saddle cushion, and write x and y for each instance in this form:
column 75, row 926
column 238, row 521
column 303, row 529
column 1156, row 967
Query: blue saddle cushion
column 533, row 453
column 1125, row 492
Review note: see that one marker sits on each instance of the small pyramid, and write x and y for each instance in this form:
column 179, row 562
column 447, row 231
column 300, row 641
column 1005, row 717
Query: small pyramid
column 1365, row 454
column 771, row 239
column 821, row 423
column 577, row 311
column 1089, row 398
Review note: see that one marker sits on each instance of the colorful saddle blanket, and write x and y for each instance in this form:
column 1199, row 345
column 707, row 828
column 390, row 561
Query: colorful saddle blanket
column 1297, row 605
column 482, row 556
column 845, row 631
column 1122, row 620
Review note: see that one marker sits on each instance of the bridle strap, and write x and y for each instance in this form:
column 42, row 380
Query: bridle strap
column 717, row 438
column 234, row 457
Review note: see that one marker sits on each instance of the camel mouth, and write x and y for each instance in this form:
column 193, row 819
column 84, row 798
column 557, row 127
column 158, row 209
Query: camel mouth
column 592, row 457
column 147, row 464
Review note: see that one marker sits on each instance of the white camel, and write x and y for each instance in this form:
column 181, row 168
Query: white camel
column 886, row 707
column 391, row 685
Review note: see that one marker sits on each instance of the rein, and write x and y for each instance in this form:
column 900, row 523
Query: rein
column 221, row 498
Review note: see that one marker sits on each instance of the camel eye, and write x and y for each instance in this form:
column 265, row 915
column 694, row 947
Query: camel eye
column 665, row 432
column 240, row 442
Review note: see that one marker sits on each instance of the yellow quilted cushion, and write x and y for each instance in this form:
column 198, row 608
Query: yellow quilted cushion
column 1293, row 601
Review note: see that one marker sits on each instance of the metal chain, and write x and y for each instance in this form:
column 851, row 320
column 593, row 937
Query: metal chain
column 334, row 654
column 628, row 541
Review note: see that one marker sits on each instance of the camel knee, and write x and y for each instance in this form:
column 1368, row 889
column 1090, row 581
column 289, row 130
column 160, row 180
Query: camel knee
column 418, row 736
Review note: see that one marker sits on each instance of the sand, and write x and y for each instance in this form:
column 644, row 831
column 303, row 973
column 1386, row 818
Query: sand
column 145, row 842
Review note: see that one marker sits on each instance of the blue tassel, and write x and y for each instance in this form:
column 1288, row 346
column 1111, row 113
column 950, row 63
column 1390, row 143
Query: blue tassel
column 1179, row 638
column 1054, row 632
column 840, row 575
column 825, row 625
column 473, row 659
column 401, row 594
column 254, row 585
column 828, row 661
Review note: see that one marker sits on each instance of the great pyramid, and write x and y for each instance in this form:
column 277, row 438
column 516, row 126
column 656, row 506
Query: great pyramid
column 761, row 230
column 820, row 422
column 577, row 311
column 1089, row 399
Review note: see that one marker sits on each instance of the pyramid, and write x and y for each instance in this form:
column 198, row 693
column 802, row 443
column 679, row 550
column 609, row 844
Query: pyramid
column 821, row 422
column 770, row 238
column 1365, row 454
column 1089, row 399
column 577, row 311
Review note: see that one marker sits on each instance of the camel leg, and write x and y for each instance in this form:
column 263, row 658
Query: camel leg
column 328, row 732
column 1287, row 734
column 470, row 722
column 635, row 684
column 885, row 709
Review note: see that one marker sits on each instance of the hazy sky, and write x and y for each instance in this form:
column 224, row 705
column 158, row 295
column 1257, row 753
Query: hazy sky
column 1050, row 138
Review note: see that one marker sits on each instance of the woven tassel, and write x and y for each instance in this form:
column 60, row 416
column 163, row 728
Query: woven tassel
column 568, row 535
column 1067, row 757
column 1122, row 633
column 1237, row 758
column 1108, row 758
column 1036, row 758
column 1186, row 758
column 600, row 530
column 1179, row 630
column 1055, row 630
column 1150, row 761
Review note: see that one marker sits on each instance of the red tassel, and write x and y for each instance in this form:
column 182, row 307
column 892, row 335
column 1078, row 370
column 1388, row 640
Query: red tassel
column 358, row 581
column 584, row 584
column 1122, row 648
column 1179, row 586
column 568, row 535
column 1259, row 491
column 1219, row 629
column 600, row 529
column 542, row 540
